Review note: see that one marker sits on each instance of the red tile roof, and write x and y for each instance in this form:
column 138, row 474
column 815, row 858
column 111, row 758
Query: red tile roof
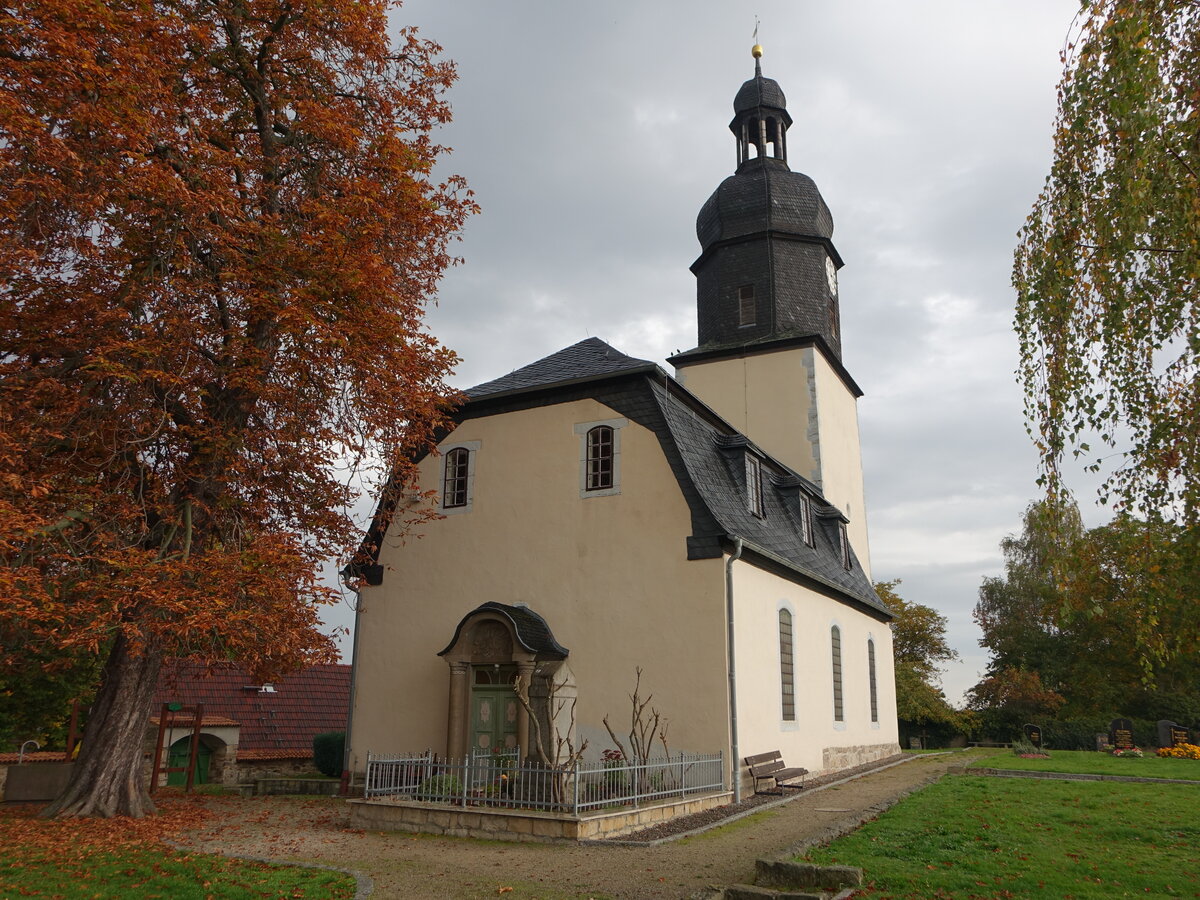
column 248, row 755
column 181, row 719
column 282, row 721
column 10, row 759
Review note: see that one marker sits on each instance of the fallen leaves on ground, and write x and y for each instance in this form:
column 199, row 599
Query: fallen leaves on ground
column 24, row 835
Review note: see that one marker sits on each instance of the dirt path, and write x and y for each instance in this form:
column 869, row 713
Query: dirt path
column 418, row 866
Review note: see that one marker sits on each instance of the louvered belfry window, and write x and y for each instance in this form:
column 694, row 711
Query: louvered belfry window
column 454, row 490
column 746, row 311
column 787, row 673
column 600, row 458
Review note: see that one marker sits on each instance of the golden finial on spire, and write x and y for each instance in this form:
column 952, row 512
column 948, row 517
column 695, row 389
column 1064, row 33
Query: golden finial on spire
column 756, row 51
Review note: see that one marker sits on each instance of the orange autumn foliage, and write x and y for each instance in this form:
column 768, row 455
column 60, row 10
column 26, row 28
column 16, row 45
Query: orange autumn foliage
column 218, row 233
column 23, row 834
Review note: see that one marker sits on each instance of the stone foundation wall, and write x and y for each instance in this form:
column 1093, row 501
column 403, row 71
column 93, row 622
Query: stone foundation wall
column 228, row 770
column 837, row 758
column 248, row 770
column 517, row 825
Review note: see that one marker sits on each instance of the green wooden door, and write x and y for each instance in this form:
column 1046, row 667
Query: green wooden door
column 493, row 709
column 178, row 757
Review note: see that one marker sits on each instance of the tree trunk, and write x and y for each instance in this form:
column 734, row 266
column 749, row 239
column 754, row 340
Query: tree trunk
column 108, row 778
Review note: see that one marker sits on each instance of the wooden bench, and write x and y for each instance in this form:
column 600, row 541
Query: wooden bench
column 770, row 766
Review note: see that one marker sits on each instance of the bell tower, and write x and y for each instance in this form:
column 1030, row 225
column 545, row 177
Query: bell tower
column 769, row 344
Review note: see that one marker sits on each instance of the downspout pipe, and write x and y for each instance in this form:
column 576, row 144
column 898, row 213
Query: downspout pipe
column 347, row 775
column 735, row 764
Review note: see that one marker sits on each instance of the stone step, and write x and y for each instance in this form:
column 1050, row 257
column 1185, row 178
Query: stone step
column 787, row 875
column 752, row 892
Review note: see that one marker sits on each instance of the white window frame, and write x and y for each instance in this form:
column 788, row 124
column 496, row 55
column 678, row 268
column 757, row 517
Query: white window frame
column 472, row 448
column 582, row 430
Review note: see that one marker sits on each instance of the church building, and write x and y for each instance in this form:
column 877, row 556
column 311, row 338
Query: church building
column 599, row 518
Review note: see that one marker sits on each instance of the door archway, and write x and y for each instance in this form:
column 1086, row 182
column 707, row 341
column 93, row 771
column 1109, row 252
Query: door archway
column 493, row 646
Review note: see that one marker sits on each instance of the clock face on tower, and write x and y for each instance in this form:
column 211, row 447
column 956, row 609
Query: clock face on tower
column 831, row 275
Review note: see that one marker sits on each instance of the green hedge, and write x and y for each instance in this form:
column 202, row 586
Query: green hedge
column 1080, row 734
column 328, row 751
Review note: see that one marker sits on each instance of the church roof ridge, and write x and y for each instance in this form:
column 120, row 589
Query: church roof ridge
column 583, row 361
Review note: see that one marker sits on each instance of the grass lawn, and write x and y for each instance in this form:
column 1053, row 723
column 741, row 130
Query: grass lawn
column 124, row 858
column 1085, row 762
column 978, row 838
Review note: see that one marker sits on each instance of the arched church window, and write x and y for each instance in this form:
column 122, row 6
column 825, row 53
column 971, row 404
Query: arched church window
column 835, row 640
column 871, row 679
column 600, row 458
column 787, row 674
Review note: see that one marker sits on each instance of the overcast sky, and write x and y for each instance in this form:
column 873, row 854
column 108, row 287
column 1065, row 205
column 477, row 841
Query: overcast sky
column 591, row 134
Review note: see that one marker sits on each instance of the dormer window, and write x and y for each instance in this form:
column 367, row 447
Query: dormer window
column 847, row 560
column 754, row 489
column 806, row 528
column 746, row 305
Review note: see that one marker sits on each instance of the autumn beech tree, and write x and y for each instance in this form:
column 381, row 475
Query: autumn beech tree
column 218, row 233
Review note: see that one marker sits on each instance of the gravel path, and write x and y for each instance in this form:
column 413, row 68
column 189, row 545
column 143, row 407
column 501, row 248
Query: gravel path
column 418, row 866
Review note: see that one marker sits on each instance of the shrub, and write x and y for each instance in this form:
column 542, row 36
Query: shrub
column 1025, row 749
column 1080, row 733
column 328, row 752
column 439, row 787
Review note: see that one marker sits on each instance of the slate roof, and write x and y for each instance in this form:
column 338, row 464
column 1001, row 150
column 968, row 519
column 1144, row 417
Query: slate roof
column 759, row 91
column 715, row 458
column 532, row 631
column 278, row 724
column 708, row 457
column 589, row 359
column 763, row 195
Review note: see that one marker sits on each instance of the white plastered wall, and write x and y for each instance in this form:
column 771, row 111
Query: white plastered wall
column 609, row 574
column 814, row 739
column 769, row 397
column 841, row 456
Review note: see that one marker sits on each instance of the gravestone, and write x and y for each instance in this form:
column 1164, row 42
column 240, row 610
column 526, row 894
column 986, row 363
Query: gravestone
column 1120, row 734
column 1171, row 734
column 1102, row 744
column 1033, row 734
